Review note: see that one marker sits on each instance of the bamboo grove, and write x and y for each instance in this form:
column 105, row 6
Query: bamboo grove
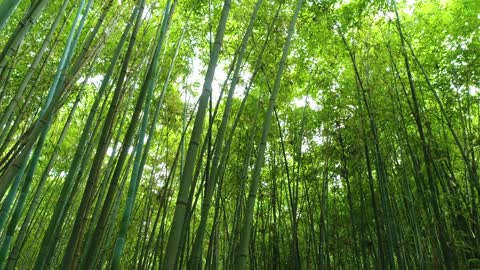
column 220, row 134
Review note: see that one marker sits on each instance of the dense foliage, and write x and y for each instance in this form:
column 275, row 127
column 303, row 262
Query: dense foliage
column 239, row 134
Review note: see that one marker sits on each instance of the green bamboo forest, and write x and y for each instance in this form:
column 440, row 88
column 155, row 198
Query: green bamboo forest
column 244, row 134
